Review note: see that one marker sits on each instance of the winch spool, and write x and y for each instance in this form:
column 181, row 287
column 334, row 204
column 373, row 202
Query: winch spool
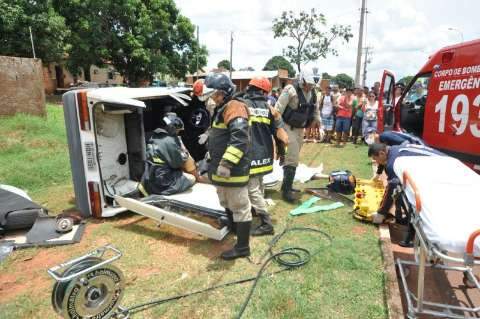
column 88, row 287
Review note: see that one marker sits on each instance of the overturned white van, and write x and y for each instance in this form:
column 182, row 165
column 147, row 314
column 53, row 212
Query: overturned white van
column 107, row 130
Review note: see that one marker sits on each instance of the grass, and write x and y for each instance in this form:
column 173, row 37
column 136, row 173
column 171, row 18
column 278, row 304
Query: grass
column 344, row 280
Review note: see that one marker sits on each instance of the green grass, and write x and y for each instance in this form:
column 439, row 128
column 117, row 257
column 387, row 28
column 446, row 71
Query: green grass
column 34, row 155
column 344, row 280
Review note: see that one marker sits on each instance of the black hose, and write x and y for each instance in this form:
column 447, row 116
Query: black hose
column 298, row 257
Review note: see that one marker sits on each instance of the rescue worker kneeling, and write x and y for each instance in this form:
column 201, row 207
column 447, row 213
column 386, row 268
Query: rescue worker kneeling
column 386, row 156
column 229, row 164
column 168, row 161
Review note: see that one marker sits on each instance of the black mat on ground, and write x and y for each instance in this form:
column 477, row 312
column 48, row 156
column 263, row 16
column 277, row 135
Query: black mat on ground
column 43, row 230
column 43, row 234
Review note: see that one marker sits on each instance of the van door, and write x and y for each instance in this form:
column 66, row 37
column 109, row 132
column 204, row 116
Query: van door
column 386, row 105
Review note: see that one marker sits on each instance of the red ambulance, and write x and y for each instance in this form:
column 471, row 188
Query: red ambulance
column 441, row 104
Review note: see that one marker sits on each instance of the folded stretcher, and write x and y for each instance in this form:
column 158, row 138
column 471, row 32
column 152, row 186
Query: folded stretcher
column 442, row 196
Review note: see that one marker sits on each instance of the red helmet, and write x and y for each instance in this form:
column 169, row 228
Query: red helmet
column 262, row 83
column 198, row 87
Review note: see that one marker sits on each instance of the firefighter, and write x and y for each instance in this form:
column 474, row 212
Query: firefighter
column 265, row 123
column 229, row 163
column 197, row 120
column 298, row 106
column 169, row 168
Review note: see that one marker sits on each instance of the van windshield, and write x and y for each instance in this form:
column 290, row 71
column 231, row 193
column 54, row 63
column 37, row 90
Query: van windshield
column 413, row 106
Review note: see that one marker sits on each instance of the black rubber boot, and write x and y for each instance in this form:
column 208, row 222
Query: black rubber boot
column 232, row 225
column 265, row 228
column 408, row 241
column 288, row 193
column 242, row 247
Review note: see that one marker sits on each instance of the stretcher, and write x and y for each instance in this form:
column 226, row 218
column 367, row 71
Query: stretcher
column 441, row 194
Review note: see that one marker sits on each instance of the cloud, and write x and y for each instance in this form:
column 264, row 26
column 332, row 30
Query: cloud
column 403, row 33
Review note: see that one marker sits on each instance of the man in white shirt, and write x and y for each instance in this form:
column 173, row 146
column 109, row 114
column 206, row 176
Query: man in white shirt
column 327, row 106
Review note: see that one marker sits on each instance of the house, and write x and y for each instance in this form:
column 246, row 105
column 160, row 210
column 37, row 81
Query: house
column 57, row 78
column 278, row 78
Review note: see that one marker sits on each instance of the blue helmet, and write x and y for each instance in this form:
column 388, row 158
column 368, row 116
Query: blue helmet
column 220, row 82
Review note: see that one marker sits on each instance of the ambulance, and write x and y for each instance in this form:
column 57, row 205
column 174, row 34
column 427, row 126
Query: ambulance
column 441, row 104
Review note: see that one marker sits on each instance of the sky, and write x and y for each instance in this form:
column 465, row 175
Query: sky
column 402, row 33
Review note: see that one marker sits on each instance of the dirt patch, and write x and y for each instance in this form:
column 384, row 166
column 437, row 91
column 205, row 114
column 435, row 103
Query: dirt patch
column 38, row 143
column 29, row 274
column 358, row 230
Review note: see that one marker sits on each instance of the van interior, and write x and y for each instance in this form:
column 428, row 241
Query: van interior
column 121, row 133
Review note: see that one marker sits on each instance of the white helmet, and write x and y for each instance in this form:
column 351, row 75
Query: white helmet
column 305, row 77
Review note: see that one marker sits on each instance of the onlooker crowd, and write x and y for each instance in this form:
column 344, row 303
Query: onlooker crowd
column 347, row 114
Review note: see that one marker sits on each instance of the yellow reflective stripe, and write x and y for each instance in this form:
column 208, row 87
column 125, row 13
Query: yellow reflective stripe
column 231, row 179
column 142, row 190
column 258, row 170
column 231, row 158
column 234, row 151
column 157, row 160
column 259, row 119
column 219, row 125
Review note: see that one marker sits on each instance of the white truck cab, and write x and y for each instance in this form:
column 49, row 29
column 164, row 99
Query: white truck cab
column 107, row 129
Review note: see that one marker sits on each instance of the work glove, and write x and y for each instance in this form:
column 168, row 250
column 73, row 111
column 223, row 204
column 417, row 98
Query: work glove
column 224, row 168
column 202, row 138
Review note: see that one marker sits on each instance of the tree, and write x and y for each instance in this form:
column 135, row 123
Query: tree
column 138, row 37
column 343, row 80
column 326, row 76
column 279, row 62
column 88, row 37
column 406, row 79
column 311, row 41
column 48, row 29
column 225, row 64
column 150, row 36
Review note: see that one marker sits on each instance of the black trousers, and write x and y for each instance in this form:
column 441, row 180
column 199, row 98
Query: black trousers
column 357, row 126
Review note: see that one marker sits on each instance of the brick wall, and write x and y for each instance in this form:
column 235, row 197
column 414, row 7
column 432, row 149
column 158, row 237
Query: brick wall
column 21, row 86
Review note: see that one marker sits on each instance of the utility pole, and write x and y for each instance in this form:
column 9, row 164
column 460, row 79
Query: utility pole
column 360, row 44
column 198, row 49
column 231, row 55
column 365, row 62
column 31, row 40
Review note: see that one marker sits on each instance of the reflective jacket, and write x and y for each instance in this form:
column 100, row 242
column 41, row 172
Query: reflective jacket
column 262, row 128
column 229, row 140
column 163, row 172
